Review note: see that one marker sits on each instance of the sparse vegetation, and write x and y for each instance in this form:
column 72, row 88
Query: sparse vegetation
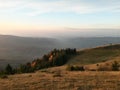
column 54, row 58
column 75, row 68
column 57, row 75
column 3, row 76
column 64, row 80
column 9, row 70
column 53, row 77
column 115, row 66
column 95, row 55
column 69, row 68
column 63, row 56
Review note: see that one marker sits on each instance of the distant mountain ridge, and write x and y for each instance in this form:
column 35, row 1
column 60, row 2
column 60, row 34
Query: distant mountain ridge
column 16, row 50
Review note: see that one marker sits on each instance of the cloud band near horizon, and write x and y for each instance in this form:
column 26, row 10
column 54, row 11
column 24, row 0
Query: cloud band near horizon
column 24, row 15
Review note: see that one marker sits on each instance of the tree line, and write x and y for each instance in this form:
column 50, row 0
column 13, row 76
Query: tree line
column 54, row 58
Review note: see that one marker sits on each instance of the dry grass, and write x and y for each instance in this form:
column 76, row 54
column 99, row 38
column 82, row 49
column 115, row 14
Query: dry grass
column 88, row 80
column 107, row 65
column 57, row 78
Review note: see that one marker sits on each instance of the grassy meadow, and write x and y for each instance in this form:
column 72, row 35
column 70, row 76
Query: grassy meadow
column 59, row 78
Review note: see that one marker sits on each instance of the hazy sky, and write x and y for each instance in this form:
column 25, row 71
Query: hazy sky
column 56, row 17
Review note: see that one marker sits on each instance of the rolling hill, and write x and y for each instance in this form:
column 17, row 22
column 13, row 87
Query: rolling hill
column 61, row 79
column 96, row 55
column 18, row 50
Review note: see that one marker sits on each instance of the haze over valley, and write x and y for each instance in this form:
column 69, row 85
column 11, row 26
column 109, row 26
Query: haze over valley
column 59, row 44
column 19, row 50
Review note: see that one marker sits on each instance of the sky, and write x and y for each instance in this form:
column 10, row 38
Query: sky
column 40, row 18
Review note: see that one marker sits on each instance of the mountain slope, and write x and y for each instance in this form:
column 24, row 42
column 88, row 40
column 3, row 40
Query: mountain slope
column 57, row 78
column 96, row 55
column 61, row 79
column 16, row 50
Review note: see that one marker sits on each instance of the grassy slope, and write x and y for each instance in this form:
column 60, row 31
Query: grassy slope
column 57, row 78
column 96, row 55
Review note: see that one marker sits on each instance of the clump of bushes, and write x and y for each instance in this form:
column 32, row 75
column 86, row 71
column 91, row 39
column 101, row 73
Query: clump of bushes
column 8, row 71
column 75, row 68
column 103, row 68
column 57, row 74
column 69, row 68
column 109, row 67
column 115, row 66
column 3, row 76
